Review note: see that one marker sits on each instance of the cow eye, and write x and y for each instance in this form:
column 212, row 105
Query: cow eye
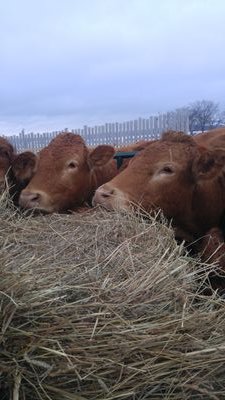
column 168, row 170
column 72, row 165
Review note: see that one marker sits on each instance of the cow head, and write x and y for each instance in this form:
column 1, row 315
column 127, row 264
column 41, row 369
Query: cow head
column 6, row 157
column 174, row 175
column 63, row 174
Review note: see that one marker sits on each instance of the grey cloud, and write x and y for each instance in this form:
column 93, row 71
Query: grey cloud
column 75, row 62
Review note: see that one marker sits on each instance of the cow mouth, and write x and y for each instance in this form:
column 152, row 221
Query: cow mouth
column 44, row 209
column 114, row 204
column 36, row 201
column 34, row 211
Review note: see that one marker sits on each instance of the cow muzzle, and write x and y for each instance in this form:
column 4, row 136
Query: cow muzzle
column 34, row 200
column 110, row 198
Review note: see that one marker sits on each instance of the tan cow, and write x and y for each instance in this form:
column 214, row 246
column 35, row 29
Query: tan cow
column 66, row 174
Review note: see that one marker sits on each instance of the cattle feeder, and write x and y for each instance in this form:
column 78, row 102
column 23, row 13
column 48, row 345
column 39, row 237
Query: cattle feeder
column 121, row 155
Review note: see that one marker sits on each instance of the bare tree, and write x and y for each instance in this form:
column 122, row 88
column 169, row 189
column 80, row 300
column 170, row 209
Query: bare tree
column 203, row 115
column 222, row 117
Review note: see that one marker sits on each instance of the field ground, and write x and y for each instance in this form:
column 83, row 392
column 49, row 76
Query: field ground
column 104, row 306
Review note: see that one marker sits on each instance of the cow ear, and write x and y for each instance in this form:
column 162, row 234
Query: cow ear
column 24, row 166
column 101, row 155
column 208, row 164
column 7, row 151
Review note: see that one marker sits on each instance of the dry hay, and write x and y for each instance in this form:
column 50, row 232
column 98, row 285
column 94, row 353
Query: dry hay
column 104, row 306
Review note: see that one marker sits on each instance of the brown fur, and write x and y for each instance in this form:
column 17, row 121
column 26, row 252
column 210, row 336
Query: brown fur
column 14, row 169
column 211, row 139
column 6, row 157
column 177, row 137
column 212, row 250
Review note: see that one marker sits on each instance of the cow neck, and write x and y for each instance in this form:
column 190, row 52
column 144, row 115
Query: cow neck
column 93, row 183
column 209, row 202
column 92, row 186
column 222, row 187
column 101, row 175
column 96, row 178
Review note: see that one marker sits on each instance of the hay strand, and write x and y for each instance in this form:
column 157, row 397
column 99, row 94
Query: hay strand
column 104, row 306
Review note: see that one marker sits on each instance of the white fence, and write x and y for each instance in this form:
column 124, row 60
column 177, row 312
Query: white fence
column 116, row 133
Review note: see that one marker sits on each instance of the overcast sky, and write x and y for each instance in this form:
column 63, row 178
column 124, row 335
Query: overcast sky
column 74, row 62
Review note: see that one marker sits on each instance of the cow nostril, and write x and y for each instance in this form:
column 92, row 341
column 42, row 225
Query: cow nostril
column 35, row 197
column 107, row 193
column 31, row 198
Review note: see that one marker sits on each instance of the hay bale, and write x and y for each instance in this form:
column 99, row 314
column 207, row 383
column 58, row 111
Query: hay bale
column 104, row 306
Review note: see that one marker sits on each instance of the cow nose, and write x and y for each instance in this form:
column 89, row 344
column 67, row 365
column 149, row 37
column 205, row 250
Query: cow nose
column 103, row 194
column 29, row 199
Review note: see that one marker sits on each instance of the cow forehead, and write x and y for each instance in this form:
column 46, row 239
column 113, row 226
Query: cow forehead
column 166, row 151
column 63, row 148
column 67, row 139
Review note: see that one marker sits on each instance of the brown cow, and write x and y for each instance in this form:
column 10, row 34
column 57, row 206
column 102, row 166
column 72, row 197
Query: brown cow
column 12, row 165
column 184, row 180
column 66, row 174
column 21, row 171
column 176, row 175
column 6, row 158
column 211, row 139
